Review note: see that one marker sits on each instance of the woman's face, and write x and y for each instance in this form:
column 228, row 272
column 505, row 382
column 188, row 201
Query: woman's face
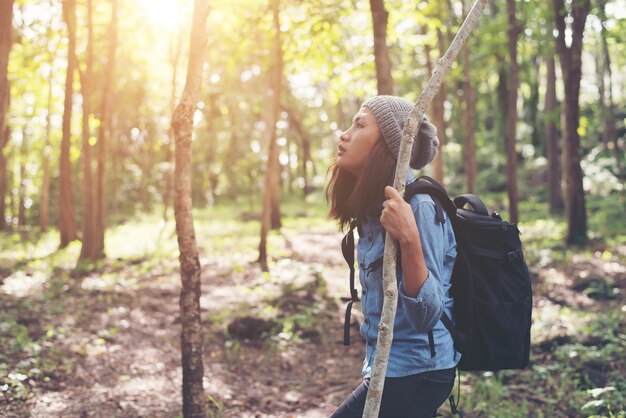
column 357, row 143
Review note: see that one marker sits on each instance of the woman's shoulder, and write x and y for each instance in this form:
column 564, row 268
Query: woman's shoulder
column 421, row 198
column 425, row 211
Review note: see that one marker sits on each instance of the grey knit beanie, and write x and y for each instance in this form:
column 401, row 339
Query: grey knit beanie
column 391, row 113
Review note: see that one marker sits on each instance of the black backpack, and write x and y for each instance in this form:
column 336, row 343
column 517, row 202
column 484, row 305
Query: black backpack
column 490, row 283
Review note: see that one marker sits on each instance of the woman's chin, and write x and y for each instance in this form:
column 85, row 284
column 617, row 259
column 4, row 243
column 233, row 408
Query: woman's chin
column 343, row 167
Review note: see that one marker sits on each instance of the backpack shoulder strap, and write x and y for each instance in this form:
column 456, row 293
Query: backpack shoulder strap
column 347, row 248
column 458, row 338
column 430, row 186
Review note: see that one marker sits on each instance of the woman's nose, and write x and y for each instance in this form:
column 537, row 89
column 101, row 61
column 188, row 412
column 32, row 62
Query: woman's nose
column 344, row 136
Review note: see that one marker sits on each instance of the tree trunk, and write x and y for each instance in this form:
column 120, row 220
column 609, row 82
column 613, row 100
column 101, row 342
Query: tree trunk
column 232, row 156
column 295, row 123
column 605, row 85
column 194, row 399
column 437, row 110
column 390, row 284
column 116, row 157
column 276, row 217
column 271, row 175
column 571, row 67
column 44, row 205
column 469, row 114
column 439, row 119
column 4, row 139
column 551, row 115
column 88, row 248
column 381, row 52
column 169, row 175
column 21, row 193
column 104, row 133
column 511, row 120
column 278, row 180
column 10, row 181
column 532, row 106
column 6, row 42
column 502, row 93
column 67, row 222
column 290, row 174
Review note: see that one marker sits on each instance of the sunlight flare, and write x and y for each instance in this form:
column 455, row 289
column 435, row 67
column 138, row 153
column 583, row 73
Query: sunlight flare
column 166, row 14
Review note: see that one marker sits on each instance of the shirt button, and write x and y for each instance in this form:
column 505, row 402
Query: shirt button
column 369, row 237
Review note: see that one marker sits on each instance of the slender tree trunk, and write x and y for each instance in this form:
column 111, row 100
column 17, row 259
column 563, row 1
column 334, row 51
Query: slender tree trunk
column 4, row 139
column 571, row 67
column 194, row 399
column 295, row 123
column 502, row 93
column 278, row 180
column 390, row 284
column 6, row 42
column 605, row 87
column 290, row 174
column 169, row 176
column 439, row 119
column 21, row 193
column 88, row 247
column 67, row 222
column 232, row 155
column 116, row 156
column 271, row 174
column 511, row 120
column 276, row 216
column 381, row 53
column 104, row 134
column 437, row 110
column 469, row 114
column 551, row 116
column 306, row 161
column 10, row 181
column 44, row 206
column 533, row 107
column 147, row 166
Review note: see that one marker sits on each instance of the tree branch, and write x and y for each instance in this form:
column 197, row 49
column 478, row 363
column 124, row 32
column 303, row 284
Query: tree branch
column 390, row 286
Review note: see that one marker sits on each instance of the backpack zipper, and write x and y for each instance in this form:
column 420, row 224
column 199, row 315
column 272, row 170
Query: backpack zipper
column 483, row 221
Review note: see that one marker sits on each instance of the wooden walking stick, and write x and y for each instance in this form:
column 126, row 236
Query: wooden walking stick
column 390, row 286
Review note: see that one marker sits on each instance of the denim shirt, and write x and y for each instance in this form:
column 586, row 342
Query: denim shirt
column 410, row 351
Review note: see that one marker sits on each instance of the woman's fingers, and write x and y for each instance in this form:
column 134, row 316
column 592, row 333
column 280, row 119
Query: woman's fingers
column 392, row 194
column 397, row 216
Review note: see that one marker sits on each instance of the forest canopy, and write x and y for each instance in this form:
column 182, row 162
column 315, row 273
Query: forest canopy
column 329, row 69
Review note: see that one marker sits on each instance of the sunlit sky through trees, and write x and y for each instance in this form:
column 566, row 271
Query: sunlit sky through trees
column 328, row 68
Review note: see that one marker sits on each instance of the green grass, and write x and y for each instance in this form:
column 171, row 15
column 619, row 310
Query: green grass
column 557, row 383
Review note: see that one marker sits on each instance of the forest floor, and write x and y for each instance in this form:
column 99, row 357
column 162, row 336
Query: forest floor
column 102, row 340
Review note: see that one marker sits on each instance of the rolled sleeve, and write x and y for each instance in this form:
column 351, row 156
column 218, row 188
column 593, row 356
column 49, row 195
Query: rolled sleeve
column 425, row 309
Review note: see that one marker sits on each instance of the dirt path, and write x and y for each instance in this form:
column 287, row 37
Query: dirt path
column 134, row 371
column 121, row 342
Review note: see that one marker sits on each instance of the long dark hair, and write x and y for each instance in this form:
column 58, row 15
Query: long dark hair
column 351, row 197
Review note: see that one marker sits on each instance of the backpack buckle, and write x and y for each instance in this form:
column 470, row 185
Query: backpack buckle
column 514, row 254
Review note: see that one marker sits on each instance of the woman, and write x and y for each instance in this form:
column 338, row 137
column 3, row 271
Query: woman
column 420, row 373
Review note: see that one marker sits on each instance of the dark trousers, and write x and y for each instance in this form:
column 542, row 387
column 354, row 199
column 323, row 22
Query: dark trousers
column 415, row 396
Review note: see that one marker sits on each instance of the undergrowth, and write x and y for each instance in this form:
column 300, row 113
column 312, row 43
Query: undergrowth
column 580, row 373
